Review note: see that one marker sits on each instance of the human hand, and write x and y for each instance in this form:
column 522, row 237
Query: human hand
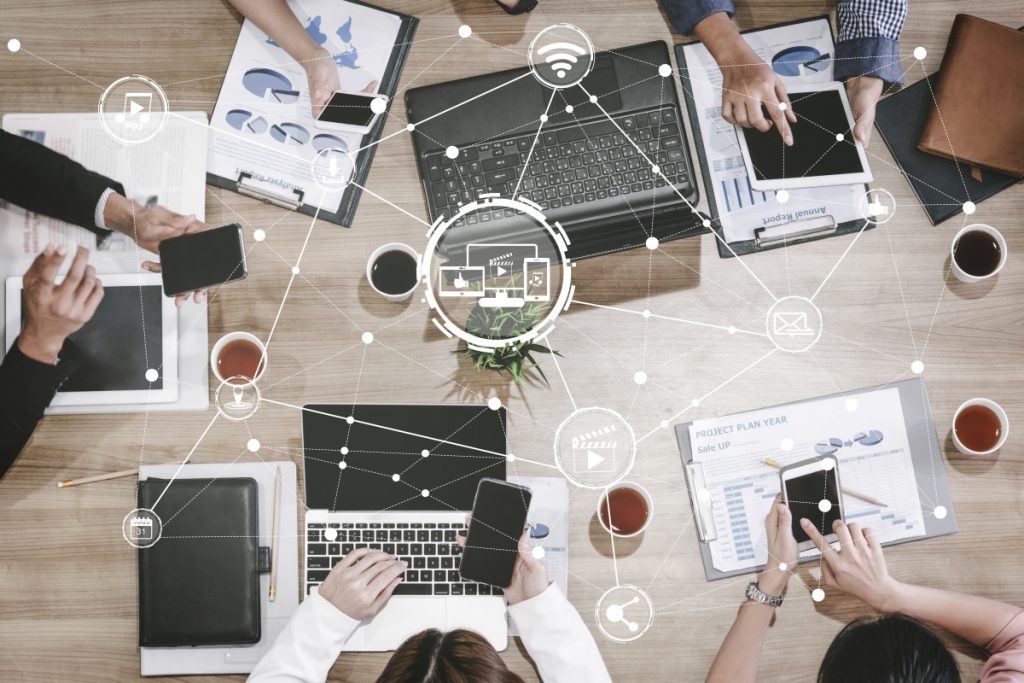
column 747, row 84
column 530, row 576
column 151, row 227
column 52, row 311
column 362, row 582
column 322, row 74
column 858, row 567
column 782, row 548
column 863, row 93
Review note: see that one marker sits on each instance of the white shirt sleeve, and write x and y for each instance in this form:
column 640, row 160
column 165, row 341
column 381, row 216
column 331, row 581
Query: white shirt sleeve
column 558, row 640
column 101, row 205
column 309, row 645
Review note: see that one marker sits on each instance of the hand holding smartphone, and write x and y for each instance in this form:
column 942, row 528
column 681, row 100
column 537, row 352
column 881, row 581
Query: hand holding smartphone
column 352, row 112
column 810, row 489
column 202, row 259
column 492, row 542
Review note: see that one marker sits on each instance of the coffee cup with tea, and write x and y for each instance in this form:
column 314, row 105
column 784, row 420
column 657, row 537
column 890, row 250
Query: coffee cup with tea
column 978, row 253
column 393, row 271
column 238, row 358
column 625, row 509
column 980, row 427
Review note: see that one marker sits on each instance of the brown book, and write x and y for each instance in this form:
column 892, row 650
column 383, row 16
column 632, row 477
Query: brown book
column 979, row 99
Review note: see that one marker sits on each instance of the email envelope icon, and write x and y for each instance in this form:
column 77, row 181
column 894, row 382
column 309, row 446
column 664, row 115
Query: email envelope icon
column 791, row 324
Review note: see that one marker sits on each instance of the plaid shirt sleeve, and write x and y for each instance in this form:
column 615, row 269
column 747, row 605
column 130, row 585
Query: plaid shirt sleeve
column 869, row 33
column 685, row 14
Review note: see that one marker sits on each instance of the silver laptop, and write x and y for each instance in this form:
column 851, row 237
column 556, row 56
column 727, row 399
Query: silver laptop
column 401, row 478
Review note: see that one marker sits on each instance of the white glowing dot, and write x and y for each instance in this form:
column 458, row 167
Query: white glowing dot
column 817, row 595
column 663, row 424
column 917, row 367
column 152, row 375
column 640, row 377
column 253, row 445
column 664, row 71
column 543, row 118
column 828, row 464
column 782, row 196
column 824, row 504
column 451, row 152
column 295, row 270
column 920, row 53
column 593, row 99
column 378, row 105
column 969, row 208
column 568, row 109
column 330, row 534
column 652, row 243
column 350, row 419
column 703, row 495
column 510, row 457
column 852, row 405
column 395, row 477
column 939, row 512
column 465, row 31
column 13, row 44
column 840, row 137
column 367, row 337
column 538, row 552
column 783, row 106
column 695, row 402
column 786, row 444
column 706, row 223
column 646, row 313
column 259, row 235
column 410, row 127
column 783, row 566
column 343, row 450
column 425, row 453
column 732, row 330
column 494, row 403
column 342, row 465
column 425, row 493
column 655, row 169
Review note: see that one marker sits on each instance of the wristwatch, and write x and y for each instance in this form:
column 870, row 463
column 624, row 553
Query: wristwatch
column 756, row 595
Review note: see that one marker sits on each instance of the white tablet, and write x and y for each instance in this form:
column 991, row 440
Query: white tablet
column 824, row 151
column 135, row 329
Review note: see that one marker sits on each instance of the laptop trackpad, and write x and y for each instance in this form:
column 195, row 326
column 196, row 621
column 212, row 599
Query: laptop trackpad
column 403, row 617
column 483, row 615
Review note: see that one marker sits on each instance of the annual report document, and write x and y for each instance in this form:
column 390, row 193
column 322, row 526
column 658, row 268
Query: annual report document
column 865, row 432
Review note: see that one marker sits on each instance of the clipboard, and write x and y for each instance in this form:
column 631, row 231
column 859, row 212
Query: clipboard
column 293, row 198
column 793, row 232
column 925, row 451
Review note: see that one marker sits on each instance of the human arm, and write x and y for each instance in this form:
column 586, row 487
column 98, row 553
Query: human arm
column 740, row 654
column 356, row 589
column 858, row 568
column 868, row 55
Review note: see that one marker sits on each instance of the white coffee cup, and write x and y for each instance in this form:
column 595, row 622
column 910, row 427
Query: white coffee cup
column 393, row 246
column 1004, row 425
column 647, row 500
column 227, row 339
column 959, row 272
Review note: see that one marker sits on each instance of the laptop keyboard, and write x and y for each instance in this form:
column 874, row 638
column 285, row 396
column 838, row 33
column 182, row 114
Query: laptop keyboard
column 429, row 548
column 572, row 165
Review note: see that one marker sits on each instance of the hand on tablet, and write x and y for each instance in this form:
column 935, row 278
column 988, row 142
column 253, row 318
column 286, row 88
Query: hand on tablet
column 858, row 568
column 52, row 311
column 863, row 93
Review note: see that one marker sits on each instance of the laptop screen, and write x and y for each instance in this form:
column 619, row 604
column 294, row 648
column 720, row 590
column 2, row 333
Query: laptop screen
column 463, row 444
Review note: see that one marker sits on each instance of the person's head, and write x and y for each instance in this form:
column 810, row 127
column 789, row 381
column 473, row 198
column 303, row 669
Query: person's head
column 890, row 649
column 458, row 656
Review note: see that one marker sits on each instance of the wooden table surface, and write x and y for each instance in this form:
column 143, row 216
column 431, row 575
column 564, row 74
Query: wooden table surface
column 67, row 578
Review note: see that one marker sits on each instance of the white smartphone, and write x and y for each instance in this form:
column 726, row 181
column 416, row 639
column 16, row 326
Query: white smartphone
column 811, row 490
column 352, row 112
column 537, row 280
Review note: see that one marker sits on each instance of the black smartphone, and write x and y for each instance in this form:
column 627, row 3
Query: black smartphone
column 202, row 259
column 811, row 490
column 492, row 542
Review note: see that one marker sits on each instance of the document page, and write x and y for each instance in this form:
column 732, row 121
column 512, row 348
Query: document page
column 865, row 432
column 801, row 54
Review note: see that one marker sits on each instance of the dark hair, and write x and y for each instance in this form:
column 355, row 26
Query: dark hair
column 458, row 656
column 889, row 649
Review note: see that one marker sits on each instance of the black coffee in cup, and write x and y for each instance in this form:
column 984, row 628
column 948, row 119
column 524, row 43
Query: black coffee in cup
column 977, row 253
column 394, row 272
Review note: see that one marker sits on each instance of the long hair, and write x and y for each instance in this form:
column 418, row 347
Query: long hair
column 890, row 649
column 458, row 656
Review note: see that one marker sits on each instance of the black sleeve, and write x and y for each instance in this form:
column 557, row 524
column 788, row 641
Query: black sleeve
column 26, row 389
column 36, row 178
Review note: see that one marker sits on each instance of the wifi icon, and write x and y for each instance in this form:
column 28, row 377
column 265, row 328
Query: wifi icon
column 561, row 60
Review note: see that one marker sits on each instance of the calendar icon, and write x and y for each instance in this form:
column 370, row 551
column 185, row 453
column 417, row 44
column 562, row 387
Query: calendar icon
column 141, row 529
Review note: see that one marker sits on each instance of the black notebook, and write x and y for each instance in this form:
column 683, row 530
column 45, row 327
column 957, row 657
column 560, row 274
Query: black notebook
column 199, row 583
column 942, row 185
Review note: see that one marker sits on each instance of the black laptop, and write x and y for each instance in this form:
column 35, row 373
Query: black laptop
column 584, row 173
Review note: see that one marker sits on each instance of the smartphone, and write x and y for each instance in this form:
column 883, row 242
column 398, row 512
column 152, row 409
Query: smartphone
column 492, row 543
column 811, row 490
column 351, row 112
column 538, row 285
column 202, row 259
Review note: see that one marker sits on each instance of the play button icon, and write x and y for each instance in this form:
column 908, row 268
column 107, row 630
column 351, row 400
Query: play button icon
column 502, row 271
column 134, row 107
column 593, row 460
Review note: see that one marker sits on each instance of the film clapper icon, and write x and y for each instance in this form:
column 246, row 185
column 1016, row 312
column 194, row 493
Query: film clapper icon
column 594, row 451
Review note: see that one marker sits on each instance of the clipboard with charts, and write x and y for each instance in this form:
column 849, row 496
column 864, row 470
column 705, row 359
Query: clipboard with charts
column 264, row 141
column 746, row 220
column 882, row 437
